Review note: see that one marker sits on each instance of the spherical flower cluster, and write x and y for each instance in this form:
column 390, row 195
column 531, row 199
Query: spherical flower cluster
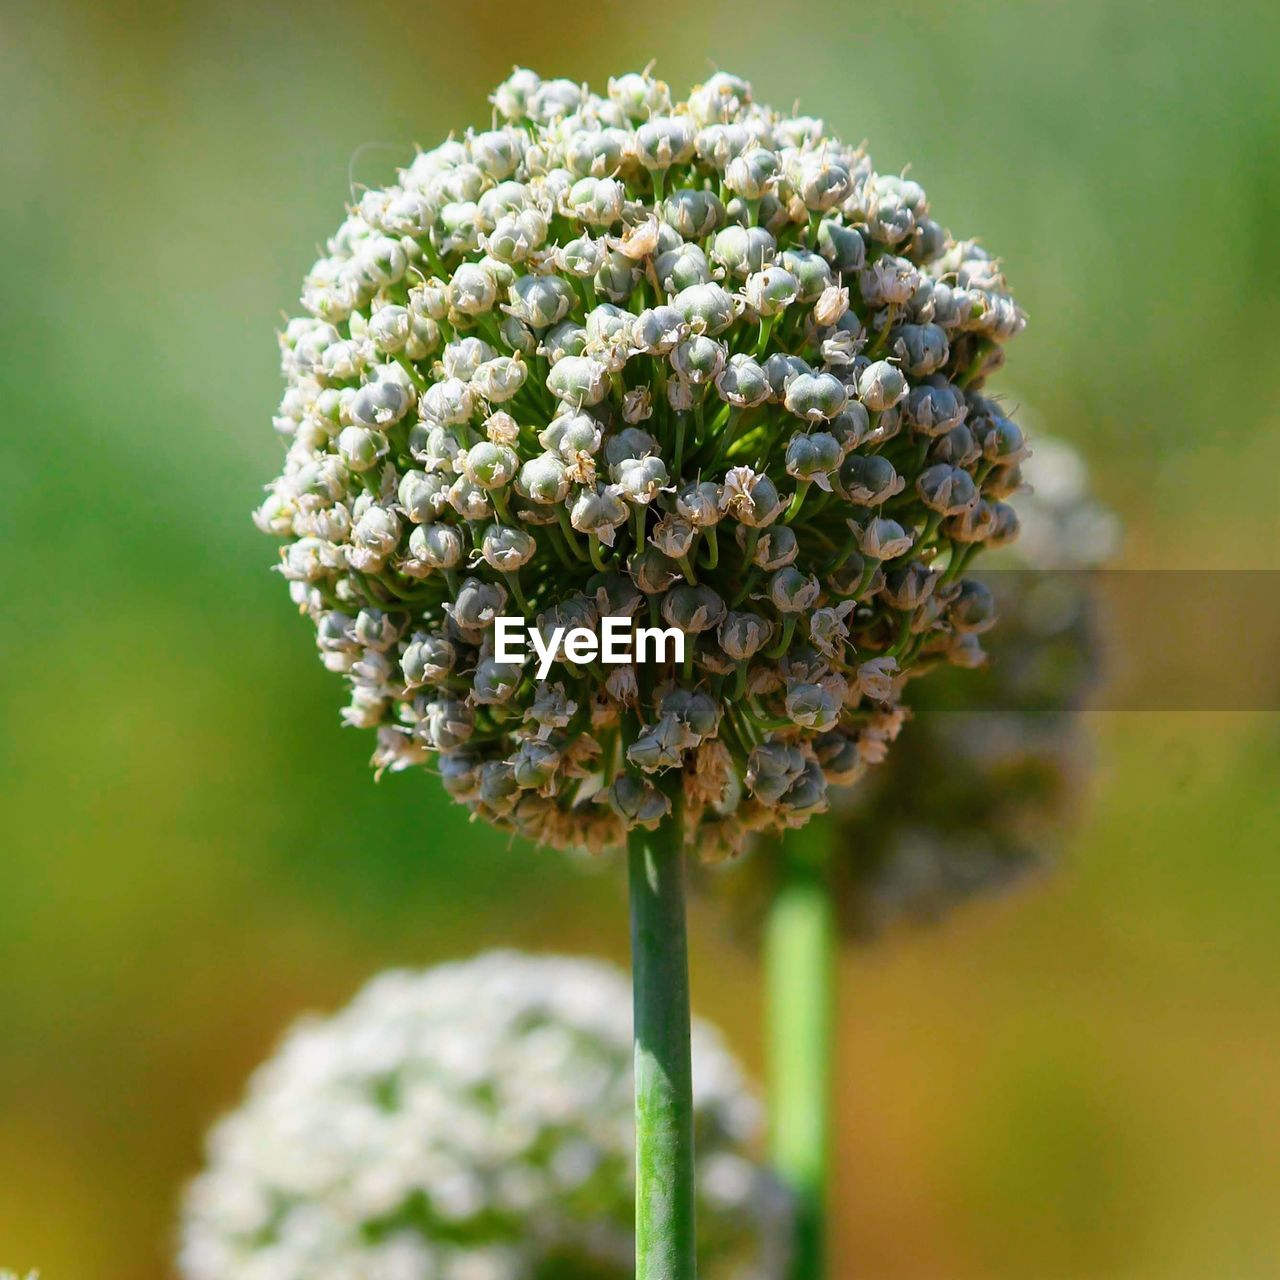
column 1002, row 749
column 473, row 1122
column 692, row 363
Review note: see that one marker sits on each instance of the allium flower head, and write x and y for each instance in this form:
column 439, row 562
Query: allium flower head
column 473, row 1122
column 988, row 772
column 692, row 363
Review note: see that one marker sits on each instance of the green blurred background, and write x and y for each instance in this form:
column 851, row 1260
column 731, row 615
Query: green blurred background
column 1078, row 1082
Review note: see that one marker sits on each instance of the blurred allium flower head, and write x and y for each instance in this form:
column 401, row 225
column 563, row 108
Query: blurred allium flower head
column 691, row 363
column 1002, row 748
column 473, row 1122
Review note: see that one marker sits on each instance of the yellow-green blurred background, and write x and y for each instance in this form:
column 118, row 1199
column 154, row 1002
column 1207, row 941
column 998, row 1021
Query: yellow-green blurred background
column 1081, row 1082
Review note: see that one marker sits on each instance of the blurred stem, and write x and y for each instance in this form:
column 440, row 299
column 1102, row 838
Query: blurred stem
column 664, row 1089
column 799, row 977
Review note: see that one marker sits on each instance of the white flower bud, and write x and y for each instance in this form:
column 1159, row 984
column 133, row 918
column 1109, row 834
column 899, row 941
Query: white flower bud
column 881, row 385
column 595, row 201
column 699, row 504
column 706, row 308
column 447, row 403
column 876, row 677
column 752, row 173
column 832, row 303
column 540, row 301
column 506, row 549
column 888, row 281
column 698, row 359
column 472, row 290
column 771, row 291
column 639, row 95
column 360, row 448
column 600, row 512
column 501, row 428
column 693, row 609
column 470, row 500
column 946, row 489
column 682, row 268
column 742, row 382
column 580, row 258
column 373, row 539
column 922, row 348
column 637, row 405
column 543, row 480
column 639, row 480
column 578, row 381
column 512, row 96
column 673, row 536
column 658, row 330
column 664, row 141
column 792, row 591
column 500, row 380
column 751, row 498
column 816, row 397
column 881, row 539
column 437, row 546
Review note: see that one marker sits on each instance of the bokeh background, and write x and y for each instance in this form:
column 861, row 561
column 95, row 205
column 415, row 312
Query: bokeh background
column 1077, row 1082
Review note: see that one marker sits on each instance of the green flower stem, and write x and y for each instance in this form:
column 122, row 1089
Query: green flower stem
column 846, row 550
column 513, row 583
column 960, row 556
column 724, row 435
column 784, row 639
column 899, row 646
column 981, row 351
column 664, row 1090
column 638, row 515
column 500, row 506
column 766, row 328
column 799, row 977
column 561, row 547
column 411, row 369
column 752, row 576
column 930, row 528
column 570, row 534
column 713, row 547
column 802, row 487
column 597, row 555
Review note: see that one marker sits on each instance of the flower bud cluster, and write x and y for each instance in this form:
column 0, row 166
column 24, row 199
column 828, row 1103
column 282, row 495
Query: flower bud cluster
column 693, row 363
column 473, row 1122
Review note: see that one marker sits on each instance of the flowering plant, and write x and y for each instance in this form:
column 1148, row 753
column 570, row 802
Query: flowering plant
column 623, row 356
column 472, row 1122
column 692, row 362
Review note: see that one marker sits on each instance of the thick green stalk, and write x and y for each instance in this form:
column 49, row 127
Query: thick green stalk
column 799, row 965
column 664, row 1087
